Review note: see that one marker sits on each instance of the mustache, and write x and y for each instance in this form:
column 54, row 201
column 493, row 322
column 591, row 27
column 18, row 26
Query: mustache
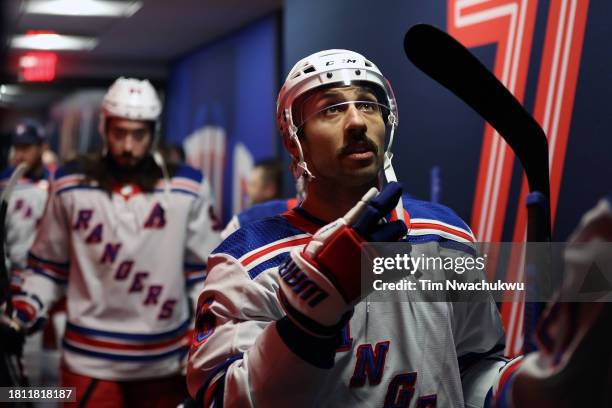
column 361, row 141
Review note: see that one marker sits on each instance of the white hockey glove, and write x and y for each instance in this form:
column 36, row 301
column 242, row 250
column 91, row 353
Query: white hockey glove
column 320, row 284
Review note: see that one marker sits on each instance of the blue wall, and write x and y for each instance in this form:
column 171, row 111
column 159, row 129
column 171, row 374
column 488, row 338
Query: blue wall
column 230, row 83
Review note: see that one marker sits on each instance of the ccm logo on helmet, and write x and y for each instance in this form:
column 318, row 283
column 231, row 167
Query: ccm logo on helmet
column 343, row 61
column 301, row 285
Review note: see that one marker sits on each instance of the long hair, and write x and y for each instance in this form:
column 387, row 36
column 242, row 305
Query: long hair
column 103, row 172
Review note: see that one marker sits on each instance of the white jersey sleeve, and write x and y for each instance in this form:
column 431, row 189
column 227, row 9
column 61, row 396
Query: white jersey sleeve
column 239, row 354
column 202, row 238
column 238, row 357
column 25, row 207
column 45, row 279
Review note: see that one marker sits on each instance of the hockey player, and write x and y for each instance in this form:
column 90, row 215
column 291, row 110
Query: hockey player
column 264, row 191
column 27, row 200
column 263, row 338
column 125, row 239
column 266, row 182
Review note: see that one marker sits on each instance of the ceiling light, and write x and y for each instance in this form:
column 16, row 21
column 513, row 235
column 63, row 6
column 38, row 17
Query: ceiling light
column 52, row 41
column 99, row 8
column 9, row 90
column 9, row 93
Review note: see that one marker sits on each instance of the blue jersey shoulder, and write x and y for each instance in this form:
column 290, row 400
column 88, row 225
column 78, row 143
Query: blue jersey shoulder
column 427, row 210
column 256, row 235
column 6, row 173
column 189, row 172
column 69, row 169
column 263, row 210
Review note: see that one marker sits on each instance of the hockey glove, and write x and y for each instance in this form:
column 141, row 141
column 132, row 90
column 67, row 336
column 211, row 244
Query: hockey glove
column 320, row 284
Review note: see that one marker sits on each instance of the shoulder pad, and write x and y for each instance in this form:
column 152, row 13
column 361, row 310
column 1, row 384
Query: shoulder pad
column 262, row 244
column 427, row 218
column 188, row 172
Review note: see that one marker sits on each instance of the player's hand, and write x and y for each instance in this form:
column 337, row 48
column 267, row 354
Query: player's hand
column 322, row 282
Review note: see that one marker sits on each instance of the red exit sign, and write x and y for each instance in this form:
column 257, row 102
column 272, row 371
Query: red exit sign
column 37, row 66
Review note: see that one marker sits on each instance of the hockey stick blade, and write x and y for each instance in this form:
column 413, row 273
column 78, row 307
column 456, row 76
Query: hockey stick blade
column 448, row 62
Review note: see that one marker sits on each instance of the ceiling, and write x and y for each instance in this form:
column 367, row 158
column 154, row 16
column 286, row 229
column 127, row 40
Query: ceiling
column 142, row 45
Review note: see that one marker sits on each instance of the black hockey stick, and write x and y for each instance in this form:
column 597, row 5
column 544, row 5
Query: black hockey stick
column 448, row 62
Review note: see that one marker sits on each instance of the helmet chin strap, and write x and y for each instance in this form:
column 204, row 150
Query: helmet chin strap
column 161, row 163
column 388, row 167
column 302, row 173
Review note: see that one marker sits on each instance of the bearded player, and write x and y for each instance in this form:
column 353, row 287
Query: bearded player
column 125, row 239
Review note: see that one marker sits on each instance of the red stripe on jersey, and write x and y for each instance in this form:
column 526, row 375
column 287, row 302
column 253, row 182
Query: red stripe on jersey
column 406, row 217
column 292, row 203
column 508, row 371
column 183, row 339
column 426, row 225
column 64, row 181
column 54, row 269
column 195, row 273
column 26, row 308
column 291, row 243
column 300, row 222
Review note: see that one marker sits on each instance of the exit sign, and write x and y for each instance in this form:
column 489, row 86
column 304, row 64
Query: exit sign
column 37, row 66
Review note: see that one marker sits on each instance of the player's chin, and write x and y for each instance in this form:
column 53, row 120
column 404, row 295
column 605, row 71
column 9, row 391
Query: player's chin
column 362, row 163
column 360, row 175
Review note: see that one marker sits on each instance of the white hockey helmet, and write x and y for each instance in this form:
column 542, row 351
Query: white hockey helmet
column 328, row 68
column 130, row 98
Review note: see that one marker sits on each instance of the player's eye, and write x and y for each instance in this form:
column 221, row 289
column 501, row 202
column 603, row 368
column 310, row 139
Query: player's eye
column 367, row 107
column 334, row 110
column 118, row 133
column 140, row 134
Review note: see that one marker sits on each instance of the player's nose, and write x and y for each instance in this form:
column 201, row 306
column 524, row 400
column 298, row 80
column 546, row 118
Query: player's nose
column 354, row 119
column 128, row 144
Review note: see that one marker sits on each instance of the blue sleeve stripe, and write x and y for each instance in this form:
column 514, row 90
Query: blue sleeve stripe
column 219, row 368
column 178, row 190
column 129, row 336
column 63, row 265
column 193, row 281
column 182, row 350
column 77, row 187
column 46, row 274
column 270, row 263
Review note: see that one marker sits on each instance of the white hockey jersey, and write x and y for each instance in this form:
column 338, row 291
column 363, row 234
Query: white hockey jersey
column 246, row 352
column 25, row 208
column 126, row 263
